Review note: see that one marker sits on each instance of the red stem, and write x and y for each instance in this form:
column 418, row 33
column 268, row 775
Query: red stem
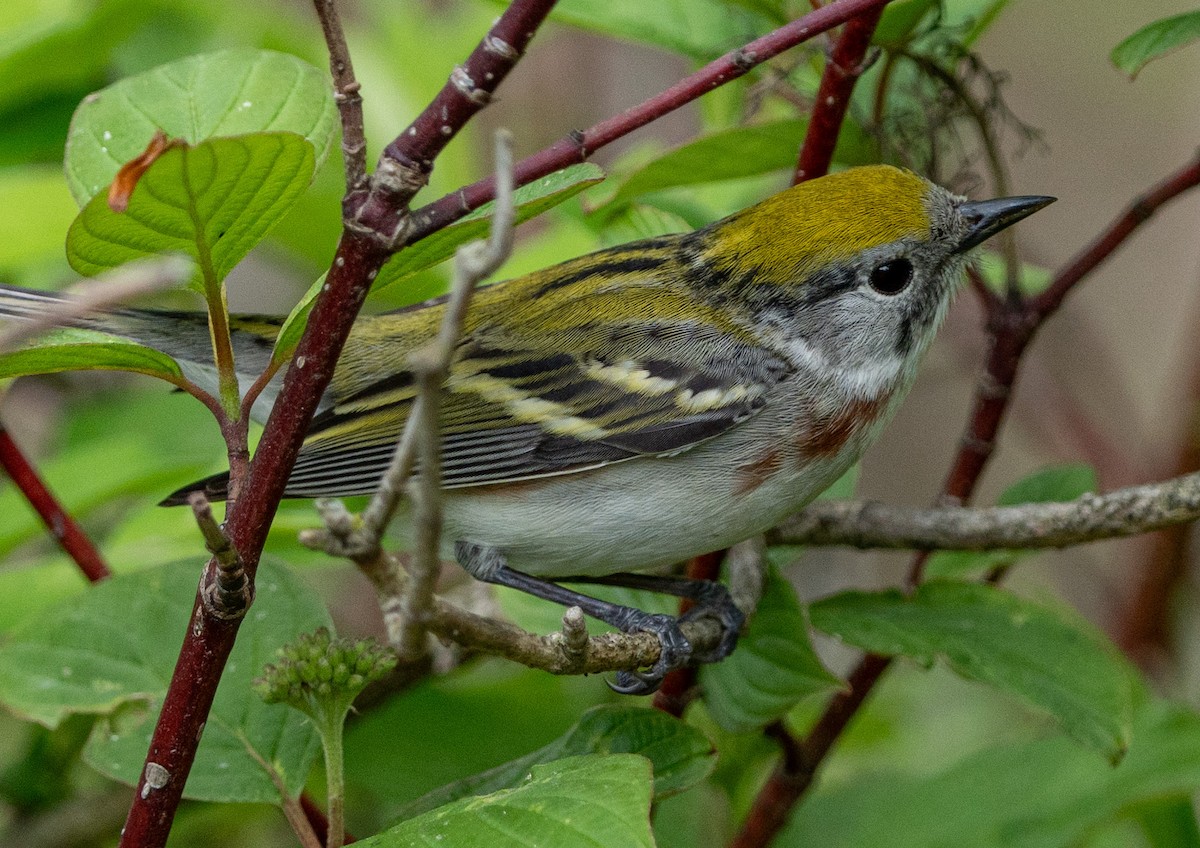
column 1012, row 325
column 209, row 638
column 578, row 146
column 1136, row 214
column 62, row 527
column 846, row 64
column 468, row 90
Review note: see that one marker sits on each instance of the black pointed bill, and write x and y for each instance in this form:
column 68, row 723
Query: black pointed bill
column 988, row 217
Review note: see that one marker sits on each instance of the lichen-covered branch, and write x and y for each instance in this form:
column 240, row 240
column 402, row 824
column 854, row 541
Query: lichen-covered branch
column 1091, row 518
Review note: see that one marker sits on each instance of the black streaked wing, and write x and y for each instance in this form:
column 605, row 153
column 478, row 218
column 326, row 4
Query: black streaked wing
column 513, row 415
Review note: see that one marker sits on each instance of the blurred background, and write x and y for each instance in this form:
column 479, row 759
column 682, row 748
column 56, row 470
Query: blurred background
column 1113, row 381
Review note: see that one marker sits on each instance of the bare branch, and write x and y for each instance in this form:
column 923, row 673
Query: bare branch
column 558, row 653
column 474, row 262
column 405, row 164
column 1123, row 512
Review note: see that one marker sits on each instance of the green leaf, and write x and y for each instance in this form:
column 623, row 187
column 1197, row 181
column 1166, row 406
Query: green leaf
column 1027, row 794
column 1059, row 483
column 992, row 636
column 773, row 668
column 294, row 324
column 1169, row 822
column 111, row 652
column 640, row 221
column 580, row 802
column 85, row 350
column 1154, row 41
column 680, row 754
column 212, row 202
column 227, row 93
column 499, row 711
column 899, row 19
column 737, row 153
column 1056, row 484
column 531, row 200
column 699, row 29
column 725, row 155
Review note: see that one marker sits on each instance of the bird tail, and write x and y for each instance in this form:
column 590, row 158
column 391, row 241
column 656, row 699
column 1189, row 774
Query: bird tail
column 215, row 488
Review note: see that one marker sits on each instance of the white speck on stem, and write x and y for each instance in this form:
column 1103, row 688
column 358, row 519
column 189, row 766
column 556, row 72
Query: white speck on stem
column 300, row 361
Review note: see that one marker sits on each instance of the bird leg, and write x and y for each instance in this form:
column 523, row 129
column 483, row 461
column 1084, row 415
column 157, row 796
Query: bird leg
column 488, row 564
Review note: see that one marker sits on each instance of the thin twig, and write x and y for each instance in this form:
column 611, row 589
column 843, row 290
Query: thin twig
column 225, row 589
column 129, row 282
column 345, row 95
column 1137, row 213
column 62, row 527
column 474, row 262
column 578, row 146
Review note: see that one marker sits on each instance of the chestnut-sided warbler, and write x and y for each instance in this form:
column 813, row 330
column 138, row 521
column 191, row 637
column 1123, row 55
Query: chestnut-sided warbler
column 647, row 403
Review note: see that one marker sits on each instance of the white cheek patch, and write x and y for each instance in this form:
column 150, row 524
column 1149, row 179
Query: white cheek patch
column 868, row 380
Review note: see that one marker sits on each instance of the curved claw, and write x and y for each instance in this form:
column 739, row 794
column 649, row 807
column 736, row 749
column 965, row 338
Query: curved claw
column 719, row 605
column 635, row 683
column 674, row 652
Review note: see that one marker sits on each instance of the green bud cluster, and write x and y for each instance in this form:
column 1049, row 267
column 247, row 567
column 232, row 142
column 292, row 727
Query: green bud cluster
column 323, row 673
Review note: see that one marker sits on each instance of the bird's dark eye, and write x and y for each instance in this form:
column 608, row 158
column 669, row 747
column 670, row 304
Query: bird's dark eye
column 891, row 277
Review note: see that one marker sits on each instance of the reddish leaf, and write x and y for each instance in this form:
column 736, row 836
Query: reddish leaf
column 127, row 178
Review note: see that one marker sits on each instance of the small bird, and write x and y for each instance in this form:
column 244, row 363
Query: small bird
column 647, row 403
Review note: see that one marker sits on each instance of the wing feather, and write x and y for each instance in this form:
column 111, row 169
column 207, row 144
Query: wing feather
column 565, row 394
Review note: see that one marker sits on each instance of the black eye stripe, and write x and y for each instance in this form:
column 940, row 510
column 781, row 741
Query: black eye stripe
column 892, row 277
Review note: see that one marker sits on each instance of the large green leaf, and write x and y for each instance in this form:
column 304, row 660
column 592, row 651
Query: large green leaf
column 580, row 802
column 227, row 93
column 531, row 200
column 1155, row 40
column 680, row 754
column 1027, row 794
column 773, row 667
column 212, row 202
column 993, row 636
column 111, row 652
